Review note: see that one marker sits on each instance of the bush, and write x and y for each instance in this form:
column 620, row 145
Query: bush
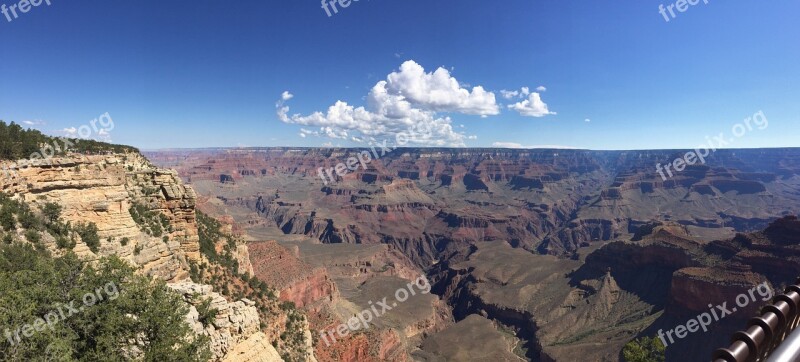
column 644, row 350
column 153, row 223
column 104, row 330
column 51, row 213
column 89, row 236
column 65, row 242
column 124, row 241
column 33, row 236
column 7, row 220
column 28, row 220
column 206, row 314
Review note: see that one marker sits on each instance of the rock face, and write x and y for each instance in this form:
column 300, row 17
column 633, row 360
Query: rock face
column 297, row 281
column 255, row 349
column 103, row 189
column 235, row 323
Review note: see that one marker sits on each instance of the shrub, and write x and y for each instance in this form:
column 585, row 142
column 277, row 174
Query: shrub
column 7, row 220
column 65, row 242
column 28, row 220
column 124, row 241
column 206, row 313
column 33, row 236
column 88, row 234
column 51, row 212
column 644, row 350
column 100, row 332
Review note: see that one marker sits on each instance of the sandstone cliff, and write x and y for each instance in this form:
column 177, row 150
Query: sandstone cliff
column 146, row 216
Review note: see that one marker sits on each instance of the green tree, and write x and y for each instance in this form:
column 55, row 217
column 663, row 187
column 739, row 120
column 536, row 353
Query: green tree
column 51, row 212
column 645, row 349
column 7, row 220
column 88, row 233
column 128, row 307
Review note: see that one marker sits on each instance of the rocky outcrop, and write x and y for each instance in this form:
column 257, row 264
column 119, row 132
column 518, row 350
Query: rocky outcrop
column 255, row 349
column 103, row 190
column 234, row 323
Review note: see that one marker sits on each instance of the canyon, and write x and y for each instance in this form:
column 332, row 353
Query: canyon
column 104, row 190
column 544, row 255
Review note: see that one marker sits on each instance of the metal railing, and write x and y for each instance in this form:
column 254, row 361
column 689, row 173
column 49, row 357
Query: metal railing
column 768, row 337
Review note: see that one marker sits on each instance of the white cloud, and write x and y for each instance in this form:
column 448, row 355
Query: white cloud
column 507, row 94
column 35, row 122
column 525, row 91
column 286, row 96
column 408, row 100
column 518, row 145
column 532, row 107
column 73, row 132
column 439, row 91
column 587, row 120
column 541, row 88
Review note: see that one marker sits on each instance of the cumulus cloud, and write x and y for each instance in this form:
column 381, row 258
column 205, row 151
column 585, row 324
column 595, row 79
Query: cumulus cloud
column 286, row 96
column 587, row 120
column 409, row 100
column 518, row 145
column 533, row 106
column 541, row 88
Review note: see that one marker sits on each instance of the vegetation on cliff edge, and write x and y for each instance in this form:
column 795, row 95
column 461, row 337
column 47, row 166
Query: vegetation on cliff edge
column 17, row 143
column 282, row 321
column 131, row 317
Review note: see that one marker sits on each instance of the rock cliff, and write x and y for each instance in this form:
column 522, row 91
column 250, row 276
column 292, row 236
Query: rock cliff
column 146, row 216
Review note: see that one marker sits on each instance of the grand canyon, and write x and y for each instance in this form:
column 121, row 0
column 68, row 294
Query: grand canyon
column 399, row 181
column 541, row 255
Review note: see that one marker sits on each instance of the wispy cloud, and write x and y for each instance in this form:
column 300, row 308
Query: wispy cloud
column 518, row 145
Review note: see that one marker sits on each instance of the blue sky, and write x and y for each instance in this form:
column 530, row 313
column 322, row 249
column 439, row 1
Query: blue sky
column 209, row 73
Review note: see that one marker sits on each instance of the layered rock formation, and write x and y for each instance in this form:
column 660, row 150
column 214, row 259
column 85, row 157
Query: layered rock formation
column 234, row 324
column 572, row 253
column 104, row 190
column 550, row 201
